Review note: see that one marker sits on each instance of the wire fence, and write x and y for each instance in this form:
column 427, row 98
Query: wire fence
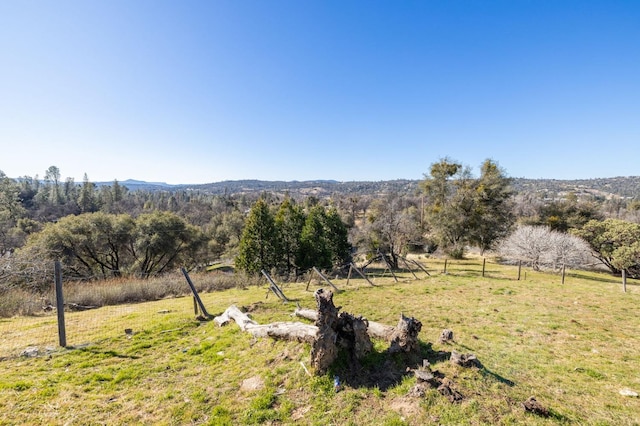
column 34, row 328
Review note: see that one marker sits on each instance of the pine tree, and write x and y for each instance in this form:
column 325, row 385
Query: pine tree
column 259, row 247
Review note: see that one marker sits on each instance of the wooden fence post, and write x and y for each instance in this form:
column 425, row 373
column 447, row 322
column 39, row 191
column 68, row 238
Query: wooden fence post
column 62, row 334
column 196, row 296
column 624, row 280
column 563, row 272
column 484, row 263
column 519, row 268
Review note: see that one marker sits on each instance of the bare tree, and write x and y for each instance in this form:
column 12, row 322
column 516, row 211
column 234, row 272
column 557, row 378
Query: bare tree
column 542, row 247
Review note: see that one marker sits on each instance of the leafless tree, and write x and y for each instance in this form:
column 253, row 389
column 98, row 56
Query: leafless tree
column 542, row 247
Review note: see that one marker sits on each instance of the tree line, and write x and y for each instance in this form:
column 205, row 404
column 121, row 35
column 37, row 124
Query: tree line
column 108, row 231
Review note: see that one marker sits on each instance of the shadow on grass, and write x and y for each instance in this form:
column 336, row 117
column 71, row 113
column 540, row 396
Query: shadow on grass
column 488, row 373
column 609, row 280
column 384, row 370
column 102, row 353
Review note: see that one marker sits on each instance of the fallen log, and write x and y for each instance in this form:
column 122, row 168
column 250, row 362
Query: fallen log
column 296, row 331
column 332, row 331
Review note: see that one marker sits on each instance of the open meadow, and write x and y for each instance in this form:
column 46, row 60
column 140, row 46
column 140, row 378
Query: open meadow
column 573, row 346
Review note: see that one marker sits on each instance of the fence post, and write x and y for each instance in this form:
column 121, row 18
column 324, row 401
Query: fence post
column 519, row 269
column 484, row 264
column 62, row 335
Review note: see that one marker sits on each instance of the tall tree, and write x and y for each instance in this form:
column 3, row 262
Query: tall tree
column 52, row 178
column 461, row 210
column 315, row 248
column 259, row 245
column 337, row 237
column 87, row 201
column 290, row 220
column 11, row 210
column 391, row 224
column 492, row 214
column 448, row 203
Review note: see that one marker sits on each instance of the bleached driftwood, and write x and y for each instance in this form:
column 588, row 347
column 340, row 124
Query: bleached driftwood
column 278, row 330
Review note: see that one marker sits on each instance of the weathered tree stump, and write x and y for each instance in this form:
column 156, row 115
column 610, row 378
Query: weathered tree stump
column 384, row 332
column 324, row 350
column 405, row 336
column 352, row 335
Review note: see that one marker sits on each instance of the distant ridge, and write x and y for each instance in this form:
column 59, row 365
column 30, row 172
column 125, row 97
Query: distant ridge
column 622, row 186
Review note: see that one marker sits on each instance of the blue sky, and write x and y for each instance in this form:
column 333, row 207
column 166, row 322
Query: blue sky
column 205, row 91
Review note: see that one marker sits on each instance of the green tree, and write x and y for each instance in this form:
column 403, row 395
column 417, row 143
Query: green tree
column 87, row 201
column 315, row 248
column 259, row 245
column 337, row 237
column 90, row 245
column 461, row 210
column 163, row 240
column 289, row 221
column 615, row 243
column 448, row 205
column 492, row 213
column 11, row 211
column 52, row 180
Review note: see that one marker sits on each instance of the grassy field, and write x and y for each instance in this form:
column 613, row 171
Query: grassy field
column 573, row 347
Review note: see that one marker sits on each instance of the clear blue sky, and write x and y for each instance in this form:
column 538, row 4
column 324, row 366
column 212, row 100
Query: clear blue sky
column 205, row 91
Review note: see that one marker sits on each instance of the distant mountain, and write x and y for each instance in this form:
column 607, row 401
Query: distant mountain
column 140, row 185
column 625, row 187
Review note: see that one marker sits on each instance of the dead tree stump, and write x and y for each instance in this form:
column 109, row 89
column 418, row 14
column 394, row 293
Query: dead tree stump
column 352, row 335
column 324, row 350
column 405, row 335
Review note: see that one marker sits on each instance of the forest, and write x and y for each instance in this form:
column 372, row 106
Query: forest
column 107, row 230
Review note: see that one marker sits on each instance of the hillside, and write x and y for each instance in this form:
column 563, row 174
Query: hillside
column 626, row 187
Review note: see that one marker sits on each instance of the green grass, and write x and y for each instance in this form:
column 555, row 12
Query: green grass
column 572, row 346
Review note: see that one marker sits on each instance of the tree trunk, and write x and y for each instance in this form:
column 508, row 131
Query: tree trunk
column 403, row 337
column 324, row 350
column 332, row 331
column 296, row 331
column 375, row 330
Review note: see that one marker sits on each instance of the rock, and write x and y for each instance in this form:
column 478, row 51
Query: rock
column 252, row 384
column 31, row 351
column 628, row 392
column 446, row 336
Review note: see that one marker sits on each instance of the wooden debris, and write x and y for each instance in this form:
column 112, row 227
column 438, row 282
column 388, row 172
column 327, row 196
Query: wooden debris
column 533, row 406
column 446, row 336
column 464, row 360
column 405, row 336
